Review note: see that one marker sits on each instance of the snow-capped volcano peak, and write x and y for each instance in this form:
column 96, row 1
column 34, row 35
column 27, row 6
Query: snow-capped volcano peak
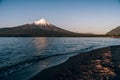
column 42, row 22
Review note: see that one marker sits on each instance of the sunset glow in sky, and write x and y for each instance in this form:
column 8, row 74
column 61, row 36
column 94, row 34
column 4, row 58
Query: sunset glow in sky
column 84, row 16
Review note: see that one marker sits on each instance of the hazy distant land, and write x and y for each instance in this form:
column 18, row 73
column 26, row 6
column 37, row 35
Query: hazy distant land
column 42, row 28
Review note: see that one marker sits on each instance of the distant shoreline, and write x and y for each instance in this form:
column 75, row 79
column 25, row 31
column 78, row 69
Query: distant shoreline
column 62, row 36
column 98, row 64
column 84, row 35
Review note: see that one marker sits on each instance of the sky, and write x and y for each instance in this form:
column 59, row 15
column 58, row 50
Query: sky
column 83, row 16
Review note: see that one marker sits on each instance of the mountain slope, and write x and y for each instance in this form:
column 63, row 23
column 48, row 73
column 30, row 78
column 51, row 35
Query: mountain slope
column 115, row 31
column 37, row 28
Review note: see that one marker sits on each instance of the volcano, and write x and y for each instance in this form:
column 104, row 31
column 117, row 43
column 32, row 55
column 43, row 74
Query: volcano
column 40, row 28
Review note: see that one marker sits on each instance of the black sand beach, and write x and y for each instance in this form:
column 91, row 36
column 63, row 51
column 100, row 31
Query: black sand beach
column 99, row 64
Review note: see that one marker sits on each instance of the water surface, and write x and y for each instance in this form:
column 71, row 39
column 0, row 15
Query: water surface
column 43, row 52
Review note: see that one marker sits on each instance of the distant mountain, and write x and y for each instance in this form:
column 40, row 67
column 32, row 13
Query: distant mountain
column 115, row 31
column 38, row 28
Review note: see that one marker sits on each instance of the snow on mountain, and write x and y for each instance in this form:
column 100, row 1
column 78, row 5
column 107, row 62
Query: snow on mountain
column 42, row 22
column 40, row 28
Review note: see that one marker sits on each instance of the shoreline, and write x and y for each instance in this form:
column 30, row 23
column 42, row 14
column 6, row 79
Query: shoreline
column 98, row 64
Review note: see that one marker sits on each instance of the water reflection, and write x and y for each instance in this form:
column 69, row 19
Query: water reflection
column 40, row 44
column 15, row 50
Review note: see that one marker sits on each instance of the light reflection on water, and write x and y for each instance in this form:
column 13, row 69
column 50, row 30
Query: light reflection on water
column 14, row 50
column 18, row 49
column 40, row 44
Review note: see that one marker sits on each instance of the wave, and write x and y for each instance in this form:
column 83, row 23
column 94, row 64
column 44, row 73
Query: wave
column 7, row 70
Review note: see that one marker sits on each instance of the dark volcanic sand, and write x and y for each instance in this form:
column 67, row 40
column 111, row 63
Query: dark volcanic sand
column 99, row 64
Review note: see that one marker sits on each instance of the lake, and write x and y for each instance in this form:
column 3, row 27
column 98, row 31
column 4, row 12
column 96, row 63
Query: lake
column 30, row 55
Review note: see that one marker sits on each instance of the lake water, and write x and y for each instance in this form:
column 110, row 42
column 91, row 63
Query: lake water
column 37, row 53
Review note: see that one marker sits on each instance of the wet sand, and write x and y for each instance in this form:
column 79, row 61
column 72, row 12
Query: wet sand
column 98, row 64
